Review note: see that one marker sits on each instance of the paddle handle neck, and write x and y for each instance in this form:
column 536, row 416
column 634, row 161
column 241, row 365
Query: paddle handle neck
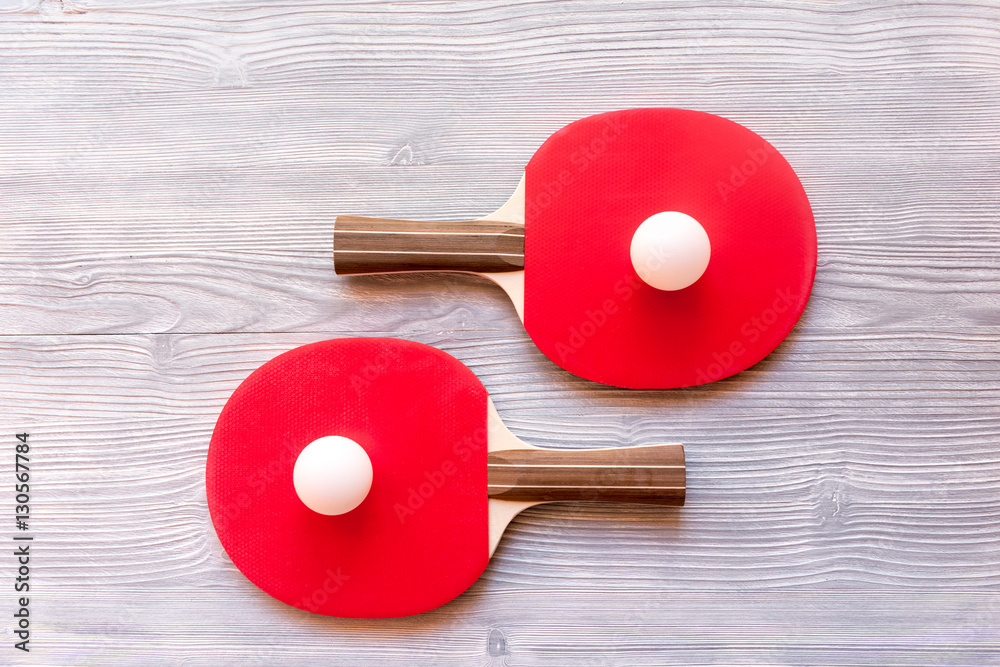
column 650, row 475
column 380, row 245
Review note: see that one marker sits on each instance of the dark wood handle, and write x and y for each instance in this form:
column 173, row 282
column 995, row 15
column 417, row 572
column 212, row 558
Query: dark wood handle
column 653, row 475
column 378, row 245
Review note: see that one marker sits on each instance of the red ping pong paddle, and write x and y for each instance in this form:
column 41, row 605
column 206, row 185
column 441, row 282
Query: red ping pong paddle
column 610, row 206
column 446, row 477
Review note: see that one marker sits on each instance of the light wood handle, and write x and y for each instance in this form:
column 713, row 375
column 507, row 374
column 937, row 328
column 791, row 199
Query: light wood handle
column 652, row 475
column 379, row 245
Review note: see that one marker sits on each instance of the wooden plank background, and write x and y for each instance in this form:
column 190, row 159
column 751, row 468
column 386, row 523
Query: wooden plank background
column 169, row 171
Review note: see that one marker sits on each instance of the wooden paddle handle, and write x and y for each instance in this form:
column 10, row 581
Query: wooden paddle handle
column 652, row 475
column 379, row 245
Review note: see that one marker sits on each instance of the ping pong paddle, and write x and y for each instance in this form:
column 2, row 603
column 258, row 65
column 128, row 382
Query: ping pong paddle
column 645, row 248
column 444, row 477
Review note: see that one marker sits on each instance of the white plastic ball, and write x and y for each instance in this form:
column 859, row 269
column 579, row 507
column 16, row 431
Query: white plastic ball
column 670, row 250
column 332, row 475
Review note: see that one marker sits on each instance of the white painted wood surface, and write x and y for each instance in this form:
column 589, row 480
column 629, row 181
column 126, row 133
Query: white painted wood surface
column 169, row 171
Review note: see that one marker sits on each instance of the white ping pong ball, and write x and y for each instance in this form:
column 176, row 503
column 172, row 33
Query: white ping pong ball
column 670, row 250
column 332, row 475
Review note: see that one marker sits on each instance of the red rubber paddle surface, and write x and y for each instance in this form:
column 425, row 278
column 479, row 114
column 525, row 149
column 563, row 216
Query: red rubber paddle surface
column 421, row 536
column 588, row 188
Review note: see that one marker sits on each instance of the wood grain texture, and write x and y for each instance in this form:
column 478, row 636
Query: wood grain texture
column 652, row 475
column 123, row 503
column 487, row 626
column 170, row 173
column 377, row 245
